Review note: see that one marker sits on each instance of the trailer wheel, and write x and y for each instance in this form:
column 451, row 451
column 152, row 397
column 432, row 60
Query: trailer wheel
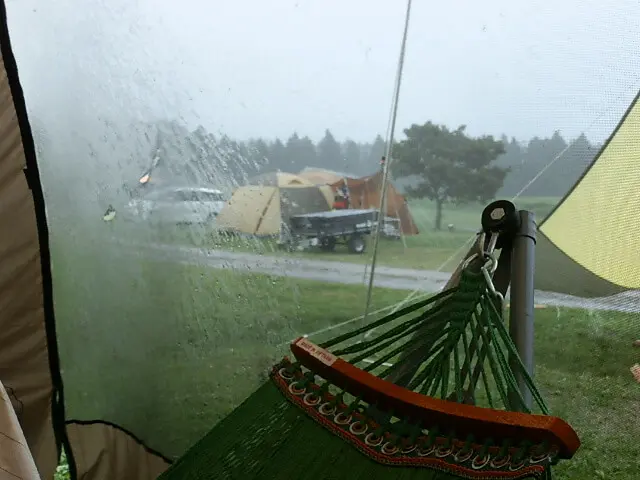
column 357, row 244
column 328, row 244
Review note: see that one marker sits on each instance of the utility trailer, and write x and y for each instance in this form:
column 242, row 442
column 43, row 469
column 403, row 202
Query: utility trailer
column 327, row 229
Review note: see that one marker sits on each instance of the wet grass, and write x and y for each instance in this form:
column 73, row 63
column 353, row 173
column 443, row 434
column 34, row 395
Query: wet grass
column 143, row 340
column 167, row 350
column 582, row 369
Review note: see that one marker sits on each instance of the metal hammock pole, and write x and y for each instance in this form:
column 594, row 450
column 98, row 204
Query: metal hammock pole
column 522, row 301
column 388, row 160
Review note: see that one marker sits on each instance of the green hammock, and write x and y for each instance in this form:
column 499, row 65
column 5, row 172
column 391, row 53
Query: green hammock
column 331, row 412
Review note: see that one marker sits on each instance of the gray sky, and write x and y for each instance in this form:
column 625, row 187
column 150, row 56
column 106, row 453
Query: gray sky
column 266, row 68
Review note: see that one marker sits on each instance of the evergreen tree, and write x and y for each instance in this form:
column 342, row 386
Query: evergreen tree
column 329, row 152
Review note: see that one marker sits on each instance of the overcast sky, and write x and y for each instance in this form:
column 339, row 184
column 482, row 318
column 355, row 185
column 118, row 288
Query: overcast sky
column 267, row 68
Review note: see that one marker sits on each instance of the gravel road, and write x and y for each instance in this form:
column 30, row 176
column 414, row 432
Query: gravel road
column 351, row 273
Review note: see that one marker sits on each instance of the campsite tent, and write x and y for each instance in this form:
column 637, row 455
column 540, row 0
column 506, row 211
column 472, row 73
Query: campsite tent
column 587, row 246
column 262, row 210
column 366, row 192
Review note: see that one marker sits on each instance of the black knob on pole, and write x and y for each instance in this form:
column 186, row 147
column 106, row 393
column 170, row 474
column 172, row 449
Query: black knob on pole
column 501, row 217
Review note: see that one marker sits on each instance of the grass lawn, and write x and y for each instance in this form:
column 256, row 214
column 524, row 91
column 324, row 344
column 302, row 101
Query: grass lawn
column 181, row 343
column 167, row 350
column 429, row 250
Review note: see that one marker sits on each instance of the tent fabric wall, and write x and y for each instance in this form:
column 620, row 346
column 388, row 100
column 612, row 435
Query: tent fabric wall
column 297, row 201
column 596, row 225
column 366, row 192
column 278, row 179
column 25, row 294
column 320, row 176
column 252, row 209
column 29, row 364
column 557, row 272
column 107, row 452
column 258, row 210
column 328, row 193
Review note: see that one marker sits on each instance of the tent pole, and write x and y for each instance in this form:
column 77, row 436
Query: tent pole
column 522, row 303
column 388, row 156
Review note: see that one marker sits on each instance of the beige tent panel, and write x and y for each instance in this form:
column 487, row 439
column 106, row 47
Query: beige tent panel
column 597, row 223
column 15, row 456
column 256, row 210
column 248, row 205
column 269, row 223
column 319, row 176
column 328, row 193
column 279, row 179
column 24, row 356
column 109, row 453
column 288, row 179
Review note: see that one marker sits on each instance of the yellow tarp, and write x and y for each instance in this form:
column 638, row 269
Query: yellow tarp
column 598, row 223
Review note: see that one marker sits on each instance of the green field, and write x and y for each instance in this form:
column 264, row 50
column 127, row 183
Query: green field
column 167, row 350
column 429, row 250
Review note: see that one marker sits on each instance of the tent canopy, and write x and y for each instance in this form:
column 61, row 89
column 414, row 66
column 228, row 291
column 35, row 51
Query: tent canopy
column 278, row 179
column 321, row 176
column 262, row 210
column 366, row 192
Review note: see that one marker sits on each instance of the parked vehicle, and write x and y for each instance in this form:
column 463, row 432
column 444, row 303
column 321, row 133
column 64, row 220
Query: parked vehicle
column 178, row 205
column 390, row 228
column 326, row 229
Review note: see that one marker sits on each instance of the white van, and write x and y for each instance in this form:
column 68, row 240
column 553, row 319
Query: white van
column 178, row 205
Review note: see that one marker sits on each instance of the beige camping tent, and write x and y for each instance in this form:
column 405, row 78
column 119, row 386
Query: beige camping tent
column 262, row 210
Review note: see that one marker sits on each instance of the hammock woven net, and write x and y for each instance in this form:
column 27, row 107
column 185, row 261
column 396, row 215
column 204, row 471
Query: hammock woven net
column 428, row 392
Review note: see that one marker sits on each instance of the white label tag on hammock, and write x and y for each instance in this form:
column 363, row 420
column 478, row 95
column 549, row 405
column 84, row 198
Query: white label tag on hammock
column 316, row 352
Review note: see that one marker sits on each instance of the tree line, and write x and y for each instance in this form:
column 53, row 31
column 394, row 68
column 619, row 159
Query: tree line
column 560, row 160
column 298, row 152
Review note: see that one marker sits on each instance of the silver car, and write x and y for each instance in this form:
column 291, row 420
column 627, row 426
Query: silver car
column 178, row 205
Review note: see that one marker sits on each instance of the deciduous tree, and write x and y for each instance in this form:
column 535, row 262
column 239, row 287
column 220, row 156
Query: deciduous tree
column 452, row 167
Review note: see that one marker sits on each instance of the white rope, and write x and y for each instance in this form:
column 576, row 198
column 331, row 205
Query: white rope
column 341, row 324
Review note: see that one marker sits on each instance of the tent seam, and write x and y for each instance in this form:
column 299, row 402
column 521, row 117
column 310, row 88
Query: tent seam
column 115, row 426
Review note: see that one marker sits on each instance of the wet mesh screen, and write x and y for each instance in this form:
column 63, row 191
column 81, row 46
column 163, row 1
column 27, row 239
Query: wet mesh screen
column 167, row 322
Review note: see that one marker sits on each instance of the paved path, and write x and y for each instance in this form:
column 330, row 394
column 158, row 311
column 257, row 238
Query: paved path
column 352, row 273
